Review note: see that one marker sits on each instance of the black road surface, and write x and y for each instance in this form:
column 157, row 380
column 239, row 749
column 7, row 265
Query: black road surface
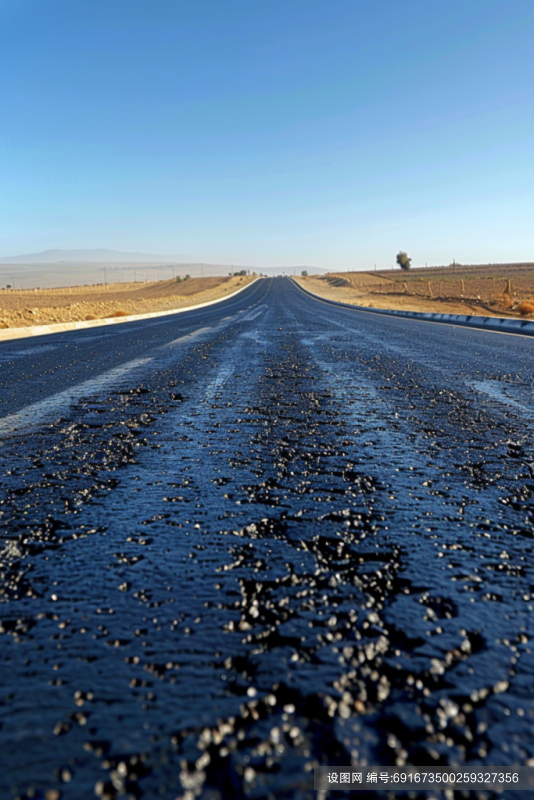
column 262, row 536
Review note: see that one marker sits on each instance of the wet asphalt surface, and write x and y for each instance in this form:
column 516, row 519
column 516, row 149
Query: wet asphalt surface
column 259, row 537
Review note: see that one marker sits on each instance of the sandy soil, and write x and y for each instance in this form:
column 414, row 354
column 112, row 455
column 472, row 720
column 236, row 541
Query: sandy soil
column 20, row 308
column 481, row 294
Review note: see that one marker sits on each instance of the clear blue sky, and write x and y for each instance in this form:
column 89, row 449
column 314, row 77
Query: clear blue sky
column 328, row 133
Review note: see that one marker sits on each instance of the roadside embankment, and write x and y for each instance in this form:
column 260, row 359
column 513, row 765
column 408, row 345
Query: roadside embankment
column 499, row 324
column 485, row 292
column 122, row 304
column 30, row 307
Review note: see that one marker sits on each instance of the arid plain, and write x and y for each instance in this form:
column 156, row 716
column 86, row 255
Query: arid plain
column 24, row 307
column 500, row 290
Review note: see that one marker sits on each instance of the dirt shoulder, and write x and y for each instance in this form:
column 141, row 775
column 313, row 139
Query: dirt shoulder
column 25, row 307
column 484, row 295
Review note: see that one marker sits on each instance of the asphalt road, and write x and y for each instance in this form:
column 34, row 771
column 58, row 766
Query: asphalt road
column 270, row 534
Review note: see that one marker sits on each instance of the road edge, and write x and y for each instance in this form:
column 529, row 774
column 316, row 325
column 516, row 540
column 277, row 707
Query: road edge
column 493, row 324
column 11, row 334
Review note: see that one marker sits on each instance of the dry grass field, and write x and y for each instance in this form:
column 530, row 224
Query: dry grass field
column 23, row 307
column 487, row 290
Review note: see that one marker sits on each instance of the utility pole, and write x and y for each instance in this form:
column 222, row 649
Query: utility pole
column 105, row 277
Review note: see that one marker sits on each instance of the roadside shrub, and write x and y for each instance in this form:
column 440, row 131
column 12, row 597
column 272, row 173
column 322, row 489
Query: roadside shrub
column 504, row 300
column 403, row 260
column 525, row 308
column 304, row 273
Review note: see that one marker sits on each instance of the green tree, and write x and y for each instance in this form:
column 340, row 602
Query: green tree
column 304, row 273
column 403, row 260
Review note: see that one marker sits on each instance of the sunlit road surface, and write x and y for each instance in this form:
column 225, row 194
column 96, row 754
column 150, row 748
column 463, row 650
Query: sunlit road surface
column 258, row 537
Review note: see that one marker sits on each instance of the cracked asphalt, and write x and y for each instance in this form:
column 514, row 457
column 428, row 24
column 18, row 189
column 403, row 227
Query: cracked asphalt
column 259, row 537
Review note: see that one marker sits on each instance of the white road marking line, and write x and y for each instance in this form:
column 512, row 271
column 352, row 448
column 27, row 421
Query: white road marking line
column 51, row 406
column 187, row 338
column 252, row 315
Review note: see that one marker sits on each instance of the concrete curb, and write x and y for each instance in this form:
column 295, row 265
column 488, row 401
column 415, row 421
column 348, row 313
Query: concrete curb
column 495, row 324
column 9, row 334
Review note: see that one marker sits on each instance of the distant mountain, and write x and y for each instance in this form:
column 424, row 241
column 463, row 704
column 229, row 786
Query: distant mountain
column 88, row 257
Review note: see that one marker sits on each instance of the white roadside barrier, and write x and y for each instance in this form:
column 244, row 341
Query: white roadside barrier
column 522, row 327
column 7, row 334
